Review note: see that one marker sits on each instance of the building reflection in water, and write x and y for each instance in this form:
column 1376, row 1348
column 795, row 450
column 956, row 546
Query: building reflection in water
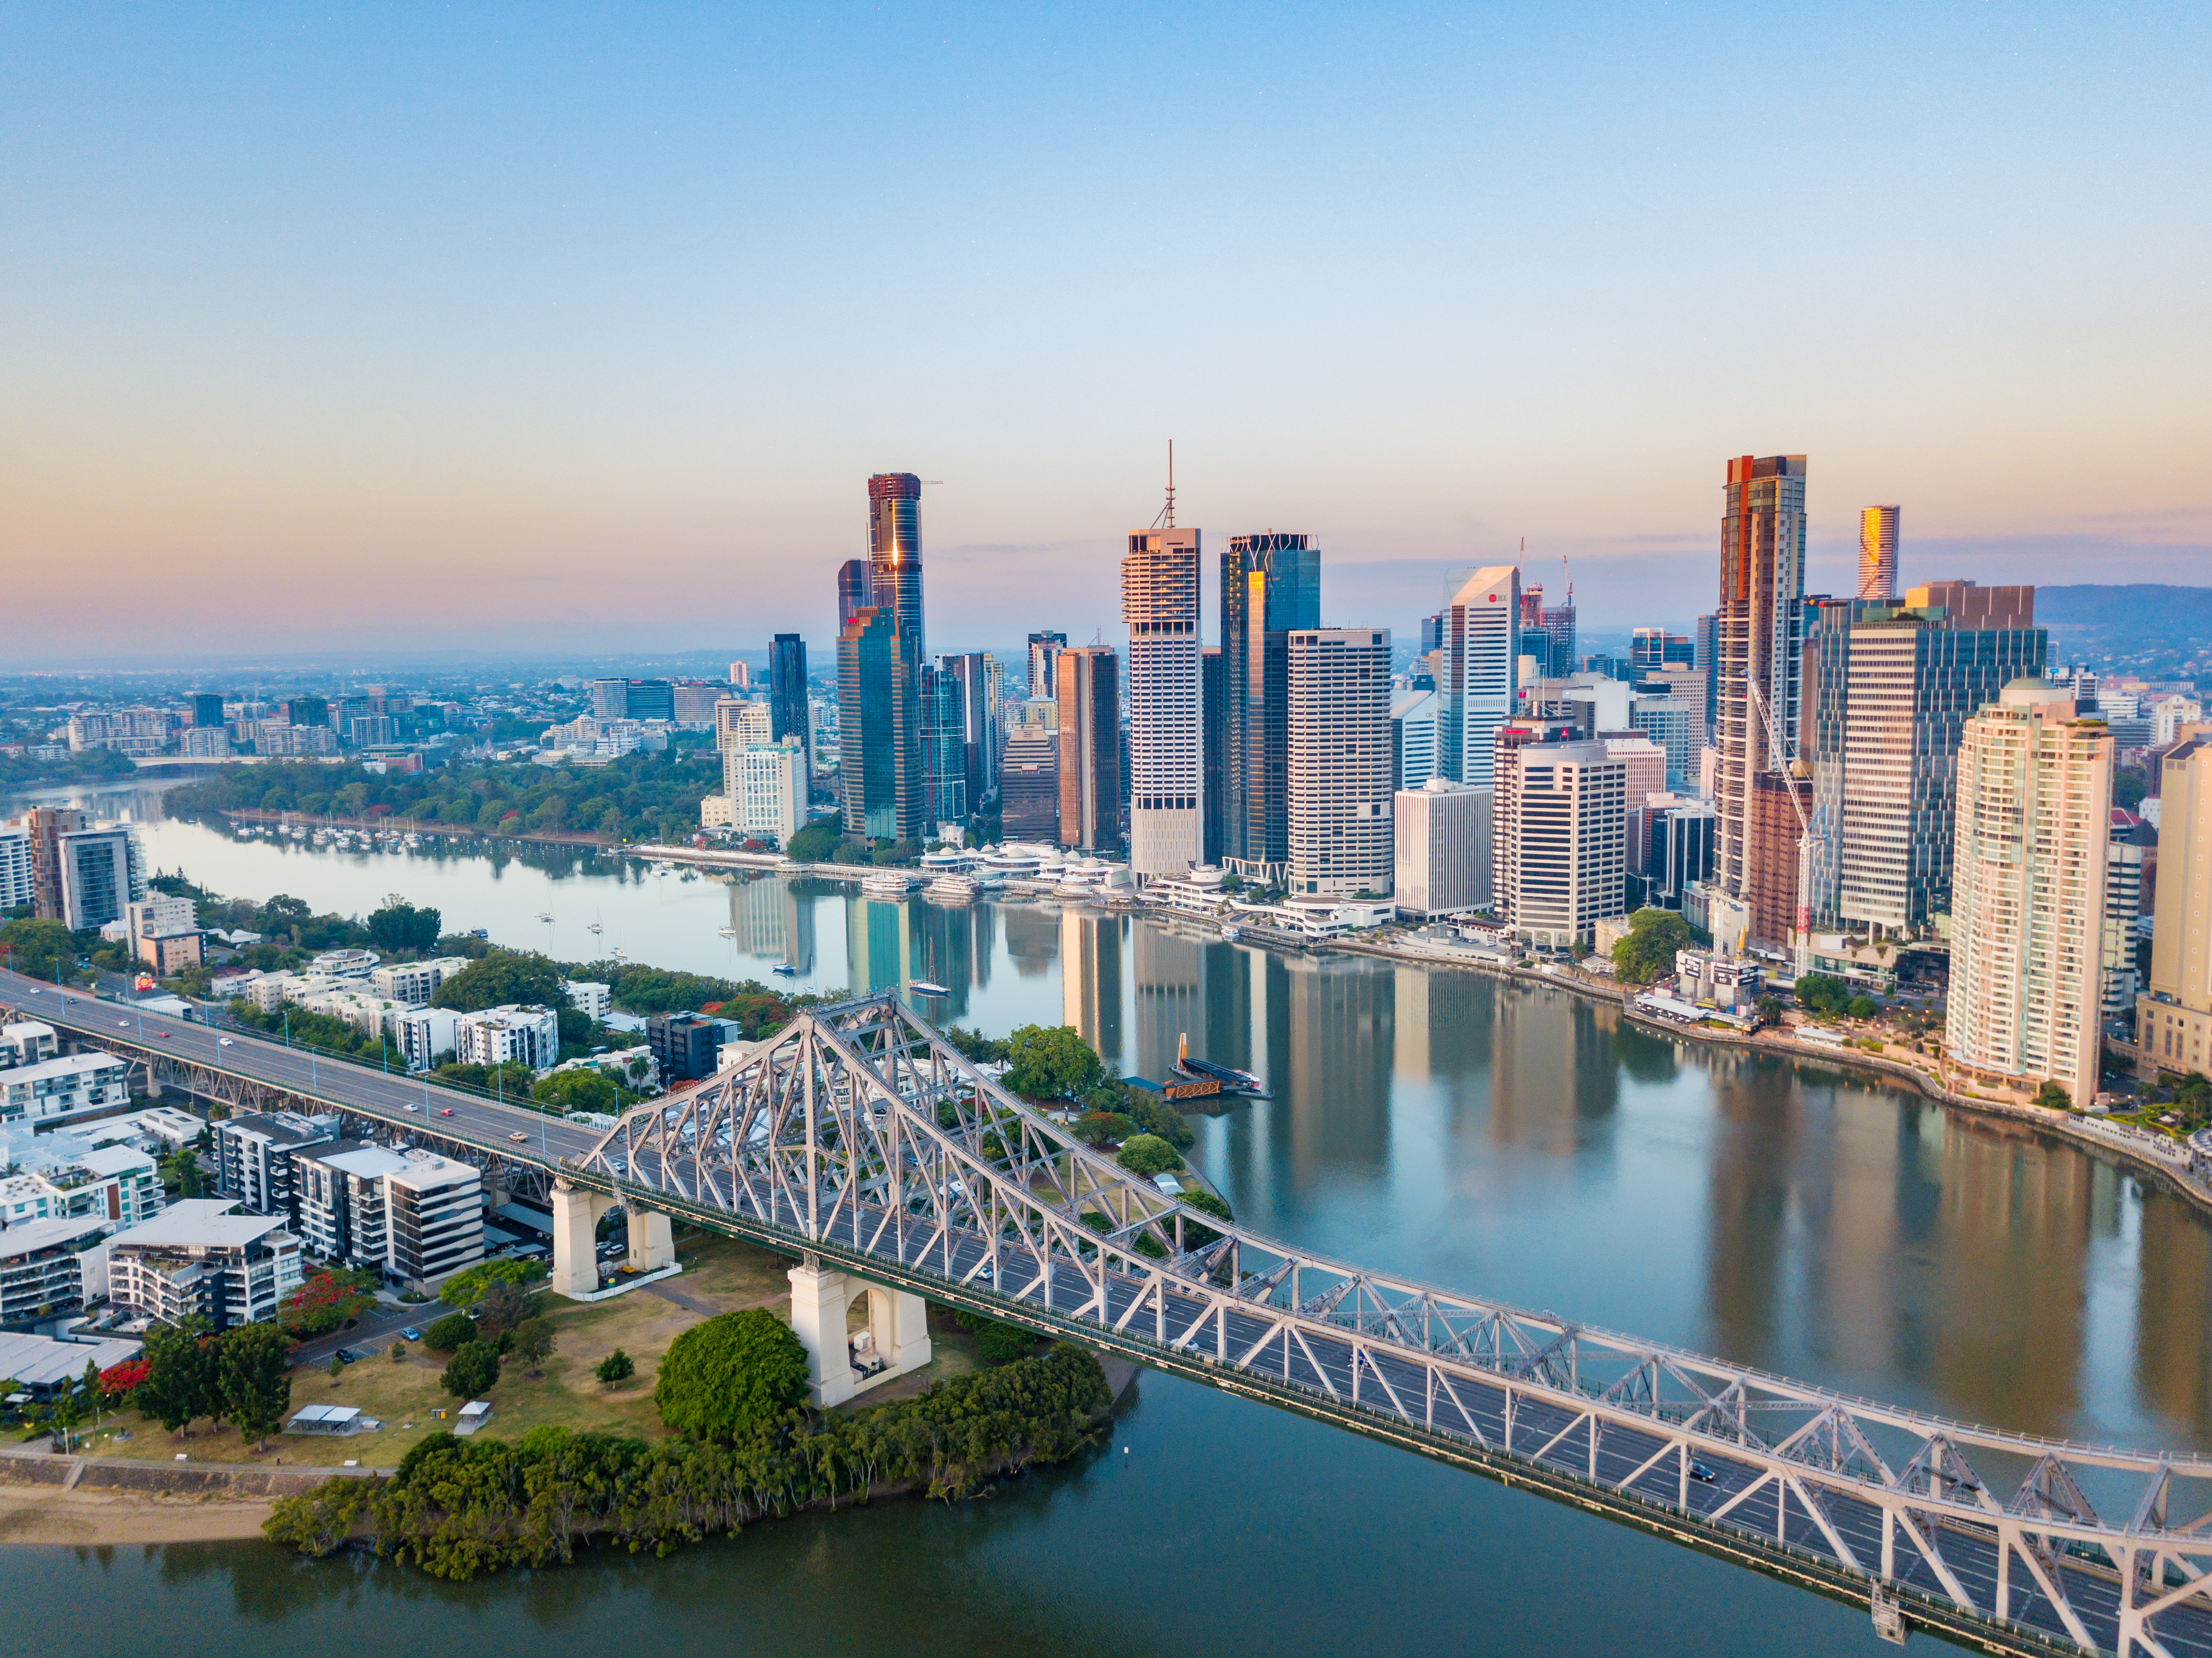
column 1091, row 977
column 1032, row 938
column 772, row 922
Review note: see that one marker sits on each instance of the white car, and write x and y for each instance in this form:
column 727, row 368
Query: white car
column 123, row 1024
column 222, row 1041
column 410, row 1107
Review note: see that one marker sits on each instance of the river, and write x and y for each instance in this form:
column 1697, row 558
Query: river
column 1519, row 1142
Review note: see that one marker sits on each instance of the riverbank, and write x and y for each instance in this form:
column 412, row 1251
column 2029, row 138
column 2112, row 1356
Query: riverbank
column 2175, row 1169
column 48, row 1499
column 395, row 824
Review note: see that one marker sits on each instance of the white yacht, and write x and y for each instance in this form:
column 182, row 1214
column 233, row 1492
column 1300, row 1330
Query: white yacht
column 953, row 890
column 890, row 884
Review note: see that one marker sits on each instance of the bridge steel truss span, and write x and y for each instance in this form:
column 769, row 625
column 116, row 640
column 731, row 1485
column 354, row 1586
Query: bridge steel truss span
column 861, row 1135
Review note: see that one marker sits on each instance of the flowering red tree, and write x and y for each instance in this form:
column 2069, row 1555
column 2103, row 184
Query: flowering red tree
column 324, row 1303
column 118, row 1381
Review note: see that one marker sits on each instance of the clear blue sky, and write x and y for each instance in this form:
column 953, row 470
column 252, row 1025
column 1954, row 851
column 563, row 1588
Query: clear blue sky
column 559, row 326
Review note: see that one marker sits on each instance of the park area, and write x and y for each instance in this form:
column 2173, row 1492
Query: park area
column 408, row 1397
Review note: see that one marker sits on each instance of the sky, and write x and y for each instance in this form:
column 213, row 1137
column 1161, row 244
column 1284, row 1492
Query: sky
column 557, row 327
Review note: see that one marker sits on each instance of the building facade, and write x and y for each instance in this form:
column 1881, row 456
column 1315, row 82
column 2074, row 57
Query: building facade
column 253, row 1157
column 1559, row 836
column 1340, row 840
column 1442, row 831
column 2173, row 1016
column 766, row 786
column 1478, row 684
column 66, row 1085
column 512, row 1034
column 1160, row 575
column 1759, row 642
column 1270, row 585
column 1090, row 749
column 201, row 1257
column 2027, row 917
column 102, row 874
column 1878, row 553
column 1028, row 787
column 787, row 688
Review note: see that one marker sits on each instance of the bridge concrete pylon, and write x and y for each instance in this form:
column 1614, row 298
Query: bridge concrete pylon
column 651, row 1242
column 576, row 1212
column 840, row 1361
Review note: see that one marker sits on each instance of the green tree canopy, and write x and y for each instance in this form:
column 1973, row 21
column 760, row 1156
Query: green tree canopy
column 1051, row 1063
column 722, row 1377
column 180, row 1376
column 450, row 1333
column 1148, row 1155
column 400, row 926
column 581, row 1089
column 504, row 977
column 472, row 1371
column 815, row 844
column 1647, row 953
column 616, row 1366
column 43, row 950
column 252, row 1365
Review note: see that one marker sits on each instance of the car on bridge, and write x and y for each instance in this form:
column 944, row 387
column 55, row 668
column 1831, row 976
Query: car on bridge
column 1702, row 1474
column 445, row 1110
column 222, row 1041
column 519, row 1135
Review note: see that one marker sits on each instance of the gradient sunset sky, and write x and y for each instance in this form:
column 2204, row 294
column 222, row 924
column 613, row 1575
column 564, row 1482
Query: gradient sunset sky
column 560, row 328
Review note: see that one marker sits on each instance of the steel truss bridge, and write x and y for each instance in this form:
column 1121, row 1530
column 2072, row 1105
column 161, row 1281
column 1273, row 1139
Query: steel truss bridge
column 860, row 1135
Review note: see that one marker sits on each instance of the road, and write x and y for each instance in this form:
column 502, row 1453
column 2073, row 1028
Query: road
column 410, row 1104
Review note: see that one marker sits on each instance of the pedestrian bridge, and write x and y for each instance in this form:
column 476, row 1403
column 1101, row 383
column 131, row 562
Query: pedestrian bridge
column 861, row 1140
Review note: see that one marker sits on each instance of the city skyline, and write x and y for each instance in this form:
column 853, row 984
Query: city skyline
column 325, row 312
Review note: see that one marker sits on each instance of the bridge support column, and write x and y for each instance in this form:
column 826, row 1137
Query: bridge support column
column 899, row 1323
column 652, row 1244
column 575, row 1238
column 818, row 1299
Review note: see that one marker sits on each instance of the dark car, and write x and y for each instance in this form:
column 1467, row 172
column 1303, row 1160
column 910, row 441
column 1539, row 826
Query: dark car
column 1702, row 1474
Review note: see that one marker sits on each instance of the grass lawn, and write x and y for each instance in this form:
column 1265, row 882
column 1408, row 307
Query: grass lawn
column 721, row 1275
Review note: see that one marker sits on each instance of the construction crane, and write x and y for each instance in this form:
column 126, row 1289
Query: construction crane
column 1800, row 933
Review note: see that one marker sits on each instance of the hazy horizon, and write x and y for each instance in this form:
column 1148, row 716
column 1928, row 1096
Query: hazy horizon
column 546, row 331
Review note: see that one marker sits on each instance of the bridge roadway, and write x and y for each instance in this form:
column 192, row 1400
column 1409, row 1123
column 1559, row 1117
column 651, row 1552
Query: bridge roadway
column 1367, row 1388
column 407, row 1103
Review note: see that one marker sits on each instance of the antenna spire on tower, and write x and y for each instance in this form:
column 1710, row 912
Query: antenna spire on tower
column 1166, row 516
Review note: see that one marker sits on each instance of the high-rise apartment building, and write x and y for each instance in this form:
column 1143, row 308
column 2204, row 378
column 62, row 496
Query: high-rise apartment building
column 740, row 720
column 945, row 754
column 1914, row 675
column 1759, row 647
column 1414, row 718
column 1044, row 664
column 975, row 676
column 2027, row 890
column 1878, row 553
column 1559, row 835
column 207, row 709
column 1167, row 720
column 2124, row 854
column 1270, row 585
column 44, row 827
column 1655, row 648
column 767, row 788
column 1341, row 842
column 16, row 888
column 103, row 872
column 2174, row 1017
column 1481, row 644
column 1090, row 747
column 867, row 728
column 787, row 688
column 1705, row 657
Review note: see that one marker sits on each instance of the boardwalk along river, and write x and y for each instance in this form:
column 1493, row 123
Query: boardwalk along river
column 1518, row 1141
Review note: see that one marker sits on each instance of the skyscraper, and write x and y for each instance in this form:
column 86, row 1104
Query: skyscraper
column 1481, row 644
column 975, row 674
column 943, row 743
column 852, row 589
column 2027, row 893
column 1044, row 664
column 1878, row 553
column 868, row 727
column 1214, row 709
column 1704, row 656
column 1559, row 836
column 1090, row 749
column 2174, row 1017
column 1338, row 762
column 1760, row 639
column 1916, row 675
column 1167, row 725
column 880, row 663
column 1270, row 585
column 786, row 693
column 207, row 709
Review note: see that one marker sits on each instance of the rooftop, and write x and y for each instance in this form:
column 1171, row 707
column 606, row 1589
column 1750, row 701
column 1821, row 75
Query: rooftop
column 40, row 1361
column 200, row 1223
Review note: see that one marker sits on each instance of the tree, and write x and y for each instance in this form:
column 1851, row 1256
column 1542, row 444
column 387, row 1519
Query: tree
column 401, row 926
column 581, row 1089
column 399, row 1351
column 1863, row 1007
column 504, row 977
column 472, row 1369
column 815, row 844
column 43, row 950
column 533, row 1340
column 1148, row 1155
column 465, row 1287
column 1648, row 952
column 2054, row 1095
column 450, row 1333
column 1819, row 993
column 179, row 1384
column 181, row 1168
column 252, row 1365
column 502, row 1307
column 723, row 1376
column 999, row 1343
column 616, row 1366
column 336, row 1367
column 1053, row 1064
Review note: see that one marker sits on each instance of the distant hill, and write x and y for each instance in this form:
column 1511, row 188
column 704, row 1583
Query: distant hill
column 2154, row 612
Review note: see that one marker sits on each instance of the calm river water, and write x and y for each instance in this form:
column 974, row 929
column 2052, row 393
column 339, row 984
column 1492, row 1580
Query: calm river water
column 1520, row 1143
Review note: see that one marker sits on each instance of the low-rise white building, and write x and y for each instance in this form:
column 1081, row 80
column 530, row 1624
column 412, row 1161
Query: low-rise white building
column 414, row 983
column 26, row 1041
column 67, row 1086
column 200, row 1255
column 64, row 1175
column 591, row 999
column 531, row 1036
column 367, row 1012
column 52, row 1269
column 345, row 963
column 425, row 1035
